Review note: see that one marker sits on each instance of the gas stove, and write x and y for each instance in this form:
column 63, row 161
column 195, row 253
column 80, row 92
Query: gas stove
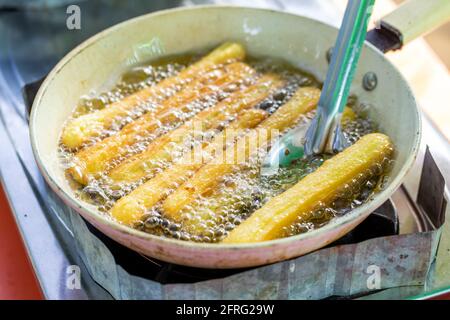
column 35, row 39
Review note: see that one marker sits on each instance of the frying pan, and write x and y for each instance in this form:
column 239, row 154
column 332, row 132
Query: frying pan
column 301, row 41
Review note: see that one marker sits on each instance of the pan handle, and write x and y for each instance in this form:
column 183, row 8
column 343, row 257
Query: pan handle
column 409, row 21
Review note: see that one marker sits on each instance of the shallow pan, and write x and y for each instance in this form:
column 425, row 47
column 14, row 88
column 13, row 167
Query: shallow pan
column 301, row 41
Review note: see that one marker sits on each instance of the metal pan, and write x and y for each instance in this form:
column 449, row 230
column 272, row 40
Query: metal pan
column 301, row 41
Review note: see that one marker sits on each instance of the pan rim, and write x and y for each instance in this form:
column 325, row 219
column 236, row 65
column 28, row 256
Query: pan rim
column 102, row 219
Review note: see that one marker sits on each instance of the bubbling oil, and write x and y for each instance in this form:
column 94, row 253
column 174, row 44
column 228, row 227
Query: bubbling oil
column 133, row 80
column 212, row 216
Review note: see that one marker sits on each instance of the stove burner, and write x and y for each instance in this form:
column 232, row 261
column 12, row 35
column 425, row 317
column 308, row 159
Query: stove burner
column 382, row 222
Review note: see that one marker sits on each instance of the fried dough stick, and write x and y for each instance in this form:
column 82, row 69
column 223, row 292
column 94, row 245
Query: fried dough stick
column 80, row 130
column 321, row 186
column 131, row 207
column 95, row 159
column 163, row 150
column 225, row 198
column 210, row 175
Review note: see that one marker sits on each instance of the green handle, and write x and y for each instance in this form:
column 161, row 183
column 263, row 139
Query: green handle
column 414, row 18
column 322, row 135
